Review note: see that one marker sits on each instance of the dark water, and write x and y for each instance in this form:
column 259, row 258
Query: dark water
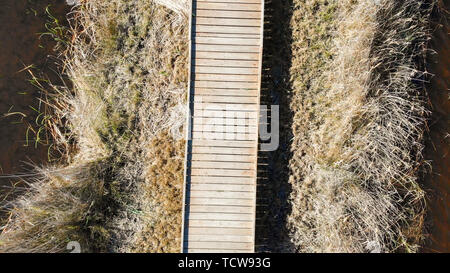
column 438, row 139
column 21, row 21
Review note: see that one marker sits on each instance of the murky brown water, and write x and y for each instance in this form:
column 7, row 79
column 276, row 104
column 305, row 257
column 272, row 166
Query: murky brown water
column 438, row 142
column 20, row 46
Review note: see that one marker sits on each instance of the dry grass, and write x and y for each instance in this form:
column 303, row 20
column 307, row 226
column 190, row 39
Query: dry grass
column 164, row 190
column 359, row 118
column 54, row 211
column 179, row 6
column 127, row 63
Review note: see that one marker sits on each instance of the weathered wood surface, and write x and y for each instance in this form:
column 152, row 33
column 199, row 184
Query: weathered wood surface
column 222, row 139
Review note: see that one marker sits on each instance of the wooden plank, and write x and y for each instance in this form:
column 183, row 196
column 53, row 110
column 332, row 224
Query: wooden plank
column 219, row 128
column 228, row 14
column 223, row 172
column 226, row 107
column 226, row 56
column 225, row 84
column 226, row 121
column 226, row 63
column 222, row 165
column 227, row 35
column 229, row 130
column 251, row 122
column 221, row 154
column 224, row 118
column 227, row 41
column 222, row 187
column 226, row 77
column 224, row 150
column 222, row 180
column 227, row 22
column 223, row 136
column 219, row 143
column 218, row 209
column 226, row 70
column 221, row 216
column 222, row 223
column 247, row 128
column 225, row 7
column 219, row 245
column 229, row 173
column 225, row 114
column 228, row 29
column 226, row 99
column 222, row 194
column 220, row 238
column 200, row 118
column 220, row 231
column 221, row 201
column 225, row 92
column 225, row 129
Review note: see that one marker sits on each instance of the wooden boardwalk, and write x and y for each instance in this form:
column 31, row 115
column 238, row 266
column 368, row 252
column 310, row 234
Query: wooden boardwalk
column 222, row 139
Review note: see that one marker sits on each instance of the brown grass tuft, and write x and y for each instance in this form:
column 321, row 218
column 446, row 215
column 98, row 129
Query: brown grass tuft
column 163, row 192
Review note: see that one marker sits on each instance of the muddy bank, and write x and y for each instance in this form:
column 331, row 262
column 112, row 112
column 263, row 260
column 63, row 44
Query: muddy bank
column 22, row 22
column 437, row 151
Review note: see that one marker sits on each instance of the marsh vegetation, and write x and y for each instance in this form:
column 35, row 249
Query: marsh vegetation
column 119, row 190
